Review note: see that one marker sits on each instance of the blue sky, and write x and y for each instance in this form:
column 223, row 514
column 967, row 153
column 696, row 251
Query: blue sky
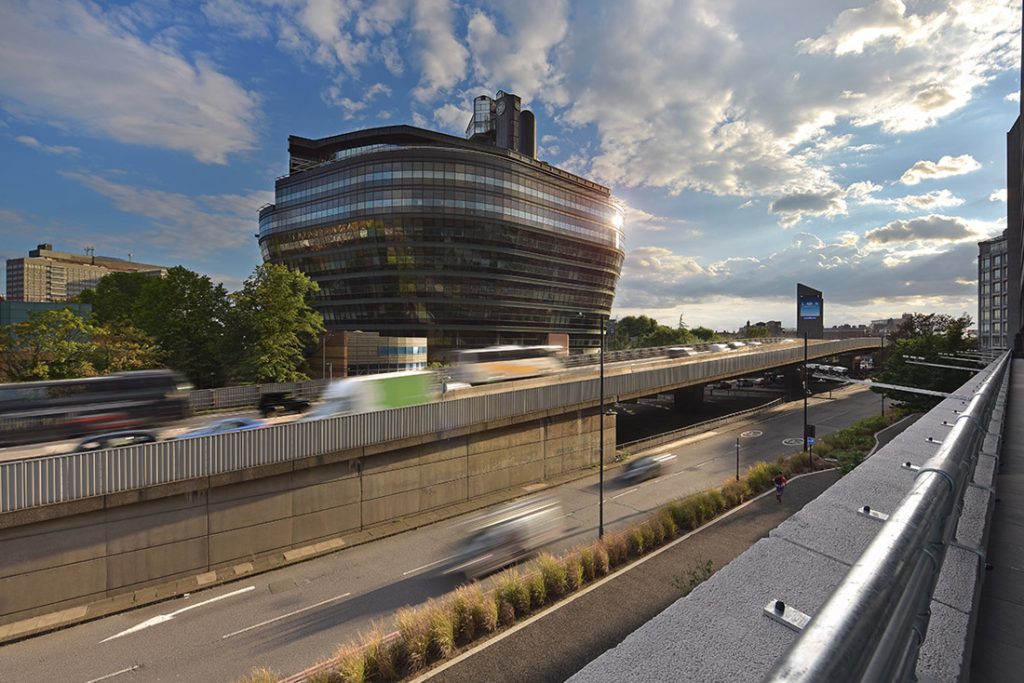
column 858, row 147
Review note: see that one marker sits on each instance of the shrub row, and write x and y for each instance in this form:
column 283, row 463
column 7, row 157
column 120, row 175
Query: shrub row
column 849, row 446
column 434, row 631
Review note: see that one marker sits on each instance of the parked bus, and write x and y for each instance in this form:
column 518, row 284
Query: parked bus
column 50, row 410
column 499, row 363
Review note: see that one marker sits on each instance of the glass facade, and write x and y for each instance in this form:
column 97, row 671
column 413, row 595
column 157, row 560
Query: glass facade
column 419, row 235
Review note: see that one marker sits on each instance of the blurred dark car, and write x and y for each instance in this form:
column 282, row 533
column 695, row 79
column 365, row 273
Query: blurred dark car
column 647, row 467
column 228, row 424
column 281, row 402
column 721, row 385
column 129, row 437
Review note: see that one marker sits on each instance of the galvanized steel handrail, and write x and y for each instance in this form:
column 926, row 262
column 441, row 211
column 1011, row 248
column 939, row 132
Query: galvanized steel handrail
column 873, row 625
column 61, row 478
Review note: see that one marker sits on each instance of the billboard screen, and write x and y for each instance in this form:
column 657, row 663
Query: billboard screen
column 810, row 307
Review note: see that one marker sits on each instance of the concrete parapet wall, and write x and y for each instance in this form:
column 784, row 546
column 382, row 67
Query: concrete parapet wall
column 73, row 554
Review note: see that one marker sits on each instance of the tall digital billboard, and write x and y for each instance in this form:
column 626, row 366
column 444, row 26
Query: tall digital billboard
column 810, row 312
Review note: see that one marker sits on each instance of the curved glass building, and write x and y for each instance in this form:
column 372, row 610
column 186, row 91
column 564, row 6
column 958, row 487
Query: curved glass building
column 468, row 242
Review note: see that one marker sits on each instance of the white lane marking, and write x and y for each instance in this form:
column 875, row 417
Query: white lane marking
column 751, row 433
column 625, row 492
column 285, row 616
column 161, row 618
column 431, row 564
column 134, row 667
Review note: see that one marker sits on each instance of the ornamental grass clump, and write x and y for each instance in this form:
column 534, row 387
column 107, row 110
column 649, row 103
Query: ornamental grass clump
column 668, row 523
column 461, row 606
column 657, row 533
column 260, row 675
column 736, row 492
column 555, row 578
column 602, row 566
column 574, row 571
column 383, row 657
column 538, row 591
column 414, row 632
column 442, row 630
column 618, row 549
column 350, row 664
column 759, row 477
column 513, row 596
column 635, row 541
column 589, row 561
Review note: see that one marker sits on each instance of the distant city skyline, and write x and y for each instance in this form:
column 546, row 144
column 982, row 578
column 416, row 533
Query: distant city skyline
column 858, row 147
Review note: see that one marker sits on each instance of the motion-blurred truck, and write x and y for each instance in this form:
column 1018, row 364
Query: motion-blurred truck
column 369, row 393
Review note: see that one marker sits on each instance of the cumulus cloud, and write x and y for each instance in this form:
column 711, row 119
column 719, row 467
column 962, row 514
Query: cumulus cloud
column 333, row 95
column 442, row 55
column 737, row 110
column 933, row 228
column 850, row 273
column 637, row 220
column 1013, row 97
column 108, row 81
column 943, row 168
column 936, row 199
column 182, row 224
column 452, row 118
column 30, row 141
column 519, row 57
column 998, row 195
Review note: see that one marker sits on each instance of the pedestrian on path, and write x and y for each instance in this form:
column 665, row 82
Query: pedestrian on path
column 780, row 486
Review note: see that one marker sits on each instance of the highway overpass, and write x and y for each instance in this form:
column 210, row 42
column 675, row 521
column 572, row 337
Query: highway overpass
column 180, row 514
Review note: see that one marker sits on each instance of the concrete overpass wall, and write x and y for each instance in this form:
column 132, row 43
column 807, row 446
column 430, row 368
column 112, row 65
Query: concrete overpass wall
column 166, row 540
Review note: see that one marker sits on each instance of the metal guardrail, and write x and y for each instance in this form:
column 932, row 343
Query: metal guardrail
column 668, row 437
column 873, row 625
column 62, row 478
column 656, row 351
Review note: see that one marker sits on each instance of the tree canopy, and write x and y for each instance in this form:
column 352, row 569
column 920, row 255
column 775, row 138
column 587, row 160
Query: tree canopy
column 926, row 336
column 633, row 332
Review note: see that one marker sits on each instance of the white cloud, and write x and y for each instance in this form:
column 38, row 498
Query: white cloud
column 108, row 81
column 936, row 199
column 637, row 220
column 1013, row 97
column 182, row 224
column 248, row 21
column 998, row 195
column 734, row 109
column 442, row 55
column 945, row 167
column 30, row 141
column 333, row 95
column 452, row 118
column 518, row 57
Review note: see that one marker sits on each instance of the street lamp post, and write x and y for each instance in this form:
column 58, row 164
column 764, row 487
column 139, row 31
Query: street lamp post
column 600, row 476
column 807, row 388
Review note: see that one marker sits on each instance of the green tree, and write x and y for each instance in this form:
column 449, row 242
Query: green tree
column 756, row 332
column 272, row 323
column 116, row 297
column 185, row 313
column 926, row 336
column 123, row 347
column 50, row 345
column 704, row 334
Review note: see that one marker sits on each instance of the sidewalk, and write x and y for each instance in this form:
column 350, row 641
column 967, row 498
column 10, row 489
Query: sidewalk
column 555, row 647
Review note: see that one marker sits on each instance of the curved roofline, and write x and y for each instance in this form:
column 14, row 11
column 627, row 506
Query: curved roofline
column 321, row 148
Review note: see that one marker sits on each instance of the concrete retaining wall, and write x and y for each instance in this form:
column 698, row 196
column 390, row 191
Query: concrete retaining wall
column 74, row 554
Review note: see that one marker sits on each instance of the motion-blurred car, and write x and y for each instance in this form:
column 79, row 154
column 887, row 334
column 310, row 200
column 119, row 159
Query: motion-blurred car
column 282, row 402
column 736, row 344
column 506, row 536
column 721, row 385
column 646, row 467
column 229, row 424
column 131, row 437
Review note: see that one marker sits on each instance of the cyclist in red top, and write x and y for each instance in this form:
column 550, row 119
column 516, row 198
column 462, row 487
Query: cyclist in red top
column 780, row 486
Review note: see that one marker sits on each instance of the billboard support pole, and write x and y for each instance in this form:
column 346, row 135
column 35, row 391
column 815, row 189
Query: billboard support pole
column 807, row 390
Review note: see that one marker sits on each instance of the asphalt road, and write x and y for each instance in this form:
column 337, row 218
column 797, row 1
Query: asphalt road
column 292, row 617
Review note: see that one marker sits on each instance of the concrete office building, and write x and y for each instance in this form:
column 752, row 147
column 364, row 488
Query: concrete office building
column 993, row 294
column 46, row 275
column 1014, row 240
column 467, row 242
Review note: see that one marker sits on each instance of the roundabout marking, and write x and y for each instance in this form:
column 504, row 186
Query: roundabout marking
column 792, row 442
column 751, row 433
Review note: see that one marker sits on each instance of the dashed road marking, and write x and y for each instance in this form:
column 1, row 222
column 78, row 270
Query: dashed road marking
column 161, row 618
column 285, row 616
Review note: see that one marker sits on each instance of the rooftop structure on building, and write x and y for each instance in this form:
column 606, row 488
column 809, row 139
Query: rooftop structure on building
column 46, row 275
column 468, row 242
